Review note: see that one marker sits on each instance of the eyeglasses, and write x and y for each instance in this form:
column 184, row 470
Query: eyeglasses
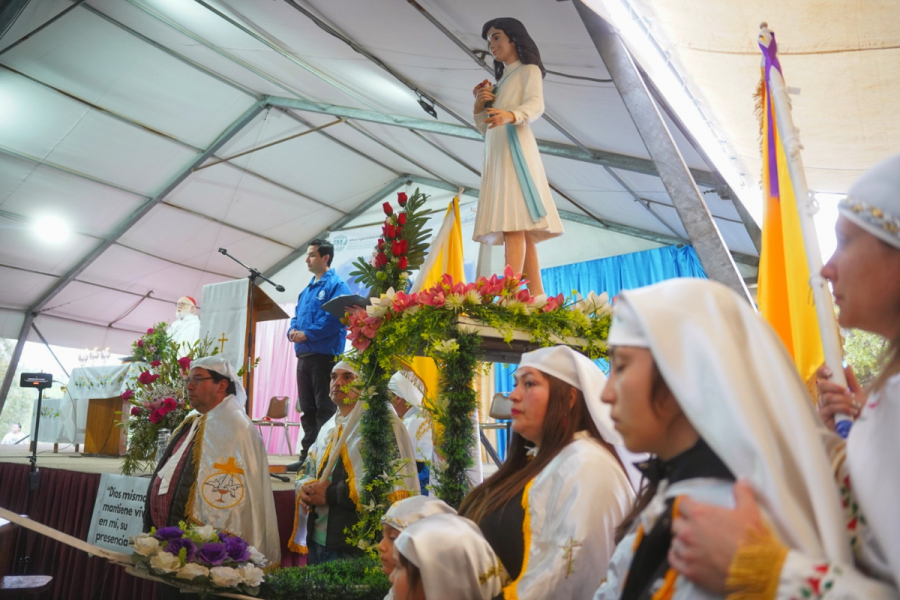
column 195, row 379
column 183, row 305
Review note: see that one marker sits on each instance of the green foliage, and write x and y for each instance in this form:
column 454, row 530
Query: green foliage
column 393, row 274
column 354, row 579
column 864, row 352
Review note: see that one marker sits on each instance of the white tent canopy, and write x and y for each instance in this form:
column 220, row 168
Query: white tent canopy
column 106, row 112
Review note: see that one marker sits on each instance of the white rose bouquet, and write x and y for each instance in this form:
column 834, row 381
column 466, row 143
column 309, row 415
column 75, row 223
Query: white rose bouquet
column 199, row 557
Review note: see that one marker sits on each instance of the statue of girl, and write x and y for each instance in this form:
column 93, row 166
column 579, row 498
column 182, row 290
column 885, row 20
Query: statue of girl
column 515, row 207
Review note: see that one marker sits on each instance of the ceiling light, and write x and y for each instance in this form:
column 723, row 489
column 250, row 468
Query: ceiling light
column 51, row 229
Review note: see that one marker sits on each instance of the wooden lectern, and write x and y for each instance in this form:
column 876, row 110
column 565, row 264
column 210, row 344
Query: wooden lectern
column 259, row 308
column 102, row 436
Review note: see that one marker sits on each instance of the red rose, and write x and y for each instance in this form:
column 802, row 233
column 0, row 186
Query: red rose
column 185, row 363
column 395, row 248
column 135, row 411
column 401, row 218
column 156, row 416
column 155, row 363
column 380, row 244
column 150, row 331
column 403, row 246
column 146, row 378
column 401, row 199
column 380, row 260
column 169, row 404
column 402, row 263
column 389, row 231
column 387, row 208
column 140, row 343
column 128, row 395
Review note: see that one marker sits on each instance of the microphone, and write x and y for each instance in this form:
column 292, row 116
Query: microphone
column 223, row 250
column 280, row 288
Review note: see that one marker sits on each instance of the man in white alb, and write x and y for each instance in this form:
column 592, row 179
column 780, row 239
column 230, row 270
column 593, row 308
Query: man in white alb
column 185, row 329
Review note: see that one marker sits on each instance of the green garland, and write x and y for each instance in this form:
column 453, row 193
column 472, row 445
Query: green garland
column 355, row 579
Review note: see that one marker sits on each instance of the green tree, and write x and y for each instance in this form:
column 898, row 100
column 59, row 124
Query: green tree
column 864, row 351
column 19, row 402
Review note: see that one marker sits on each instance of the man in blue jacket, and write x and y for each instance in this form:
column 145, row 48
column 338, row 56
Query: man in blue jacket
column 318, row 340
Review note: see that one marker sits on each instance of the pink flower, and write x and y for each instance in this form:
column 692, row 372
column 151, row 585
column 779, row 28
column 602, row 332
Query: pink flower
column 185, row 363
column 140, row 343
column 135, row 411
column 169, row 404
column 150, row 331
column 128, row 395
column 553, row 302
column 155, row 363
column 146, row 378
column 524, row 296
column 156, row 416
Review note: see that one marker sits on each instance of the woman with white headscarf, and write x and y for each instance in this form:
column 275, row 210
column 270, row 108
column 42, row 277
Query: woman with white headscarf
column 407, row 402
column 701, row 381
column 719, row 544
column 444, row 557
column 551, row 510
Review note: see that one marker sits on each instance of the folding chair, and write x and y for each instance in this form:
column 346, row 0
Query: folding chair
column 277, row 410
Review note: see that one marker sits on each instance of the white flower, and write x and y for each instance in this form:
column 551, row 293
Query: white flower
column 163, row 562
column 225, row 577
column 380, row 305
column 206, row 533
column 257, row 557
column 454, row 300
column 539, row 302
column 253, row 576
column 473, row 297
column 592, row 303
column 192, row 571
column 145, row 545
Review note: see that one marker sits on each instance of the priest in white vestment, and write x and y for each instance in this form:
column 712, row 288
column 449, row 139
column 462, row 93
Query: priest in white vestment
column 185, row 329
column 215, row 469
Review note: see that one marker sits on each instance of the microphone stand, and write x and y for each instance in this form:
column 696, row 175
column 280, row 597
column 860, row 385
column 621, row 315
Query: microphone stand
column 248, row 359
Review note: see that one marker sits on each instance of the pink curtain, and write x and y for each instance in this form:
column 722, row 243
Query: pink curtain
column 276, row 375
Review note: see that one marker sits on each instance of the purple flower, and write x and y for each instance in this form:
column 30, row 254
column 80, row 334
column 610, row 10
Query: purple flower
column 174, row 546
column 237, row 549
column 212, row 554
column 168, row 533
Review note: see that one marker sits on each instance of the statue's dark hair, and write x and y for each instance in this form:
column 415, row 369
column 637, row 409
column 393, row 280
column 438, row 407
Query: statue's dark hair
column 525, row 47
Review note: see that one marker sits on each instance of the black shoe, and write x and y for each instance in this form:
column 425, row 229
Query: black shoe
column 294, row 467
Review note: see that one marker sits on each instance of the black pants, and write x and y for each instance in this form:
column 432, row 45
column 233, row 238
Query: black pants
column 313, row 381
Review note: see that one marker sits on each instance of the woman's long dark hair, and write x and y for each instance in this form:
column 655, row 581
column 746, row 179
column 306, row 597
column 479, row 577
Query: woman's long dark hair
column 525, row 47
column 413, row 575
column 560, row 425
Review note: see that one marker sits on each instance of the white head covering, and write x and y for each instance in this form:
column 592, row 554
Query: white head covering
column 455, row 560
column 580, row 372
column 625, row 330
column 405, row 388
column 404, row 513
column 343, row 365
column 739, row 388
column 221, row 366
column 873, row 202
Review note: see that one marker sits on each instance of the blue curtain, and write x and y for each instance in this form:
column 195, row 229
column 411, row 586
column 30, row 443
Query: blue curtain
column 611, row 275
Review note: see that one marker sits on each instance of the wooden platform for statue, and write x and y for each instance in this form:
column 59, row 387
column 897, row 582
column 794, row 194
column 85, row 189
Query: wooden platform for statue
column 496, row 349
column 102, row 437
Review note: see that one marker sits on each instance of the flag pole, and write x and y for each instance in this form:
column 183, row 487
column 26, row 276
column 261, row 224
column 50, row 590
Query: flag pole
column 807, row 207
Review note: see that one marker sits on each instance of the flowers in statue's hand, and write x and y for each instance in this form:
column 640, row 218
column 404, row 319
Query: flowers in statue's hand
column 213, row 554
column 225, row 577
column 163, row 562
column 190, row 548
column 192, row 571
